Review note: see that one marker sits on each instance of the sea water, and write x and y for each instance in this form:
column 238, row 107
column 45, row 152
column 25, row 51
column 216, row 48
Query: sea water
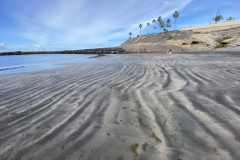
column 35, row 62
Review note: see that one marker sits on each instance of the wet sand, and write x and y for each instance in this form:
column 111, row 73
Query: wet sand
column 139, row 106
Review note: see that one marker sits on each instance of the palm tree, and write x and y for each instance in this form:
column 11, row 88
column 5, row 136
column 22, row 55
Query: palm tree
column 175, row 15
column 140, row 26
column 148, row 24
column 230, row 19
column 154, row 21
column 168, row 24
column 162, row 25
column 130, row 35
column 159, row 22
column 155, row 28
column 218, row 17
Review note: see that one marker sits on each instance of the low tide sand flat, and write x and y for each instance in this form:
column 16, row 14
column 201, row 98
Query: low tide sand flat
column 139, row 106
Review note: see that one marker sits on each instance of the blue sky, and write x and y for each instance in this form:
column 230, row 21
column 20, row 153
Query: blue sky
column 33, row 25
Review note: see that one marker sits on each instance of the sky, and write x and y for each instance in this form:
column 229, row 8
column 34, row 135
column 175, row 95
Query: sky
column 41, row 25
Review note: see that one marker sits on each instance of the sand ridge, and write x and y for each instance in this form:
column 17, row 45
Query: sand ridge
column 139, row 106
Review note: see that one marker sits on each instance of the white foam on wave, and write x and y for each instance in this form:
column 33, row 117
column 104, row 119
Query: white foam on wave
column 11, row 67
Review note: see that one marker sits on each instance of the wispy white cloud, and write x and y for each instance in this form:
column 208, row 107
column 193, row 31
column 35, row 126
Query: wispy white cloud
column 88, row 23
column 2, row 46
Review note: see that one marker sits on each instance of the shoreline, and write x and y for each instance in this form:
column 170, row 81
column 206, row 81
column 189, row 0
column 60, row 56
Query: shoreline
column 135, row 106
column 125, row 53
column 39, row 62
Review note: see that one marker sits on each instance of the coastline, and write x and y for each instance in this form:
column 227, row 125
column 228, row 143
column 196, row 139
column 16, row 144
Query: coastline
column 135, row 106
column 12, row 64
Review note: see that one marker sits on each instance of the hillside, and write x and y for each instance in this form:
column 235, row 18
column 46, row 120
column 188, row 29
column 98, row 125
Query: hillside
column 224, row 36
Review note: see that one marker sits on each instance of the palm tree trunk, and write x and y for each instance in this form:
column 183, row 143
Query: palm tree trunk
column 175, row 24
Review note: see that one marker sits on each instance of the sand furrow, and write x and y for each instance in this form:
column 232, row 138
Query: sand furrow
column 217, row 142
column 139, row 106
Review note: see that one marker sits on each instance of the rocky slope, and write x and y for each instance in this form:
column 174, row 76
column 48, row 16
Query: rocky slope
column 225, row 36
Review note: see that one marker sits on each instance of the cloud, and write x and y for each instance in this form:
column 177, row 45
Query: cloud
column 87, row 23
column 2, row 46
column 37, row 47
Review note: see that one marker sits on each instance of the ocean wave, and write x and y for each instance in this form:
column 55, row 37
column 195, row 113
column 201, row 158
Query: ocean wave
column 10, row 67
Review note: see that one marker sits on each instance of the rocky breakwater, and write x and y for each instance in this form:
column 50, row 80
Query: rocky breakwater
column 115, row 50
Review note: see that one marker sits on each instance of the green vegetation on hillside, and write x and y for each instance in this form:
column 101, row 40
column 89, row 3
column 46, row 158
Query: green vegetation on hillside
column 221, row 43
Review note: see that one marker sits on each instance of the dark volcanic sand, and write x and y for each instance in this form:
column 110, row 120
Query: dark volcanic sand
column 139, row 106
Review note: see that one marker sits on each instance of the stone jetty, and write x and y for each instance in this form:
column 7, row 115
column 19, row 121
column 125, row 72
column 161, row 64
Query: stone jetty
column 114, row 50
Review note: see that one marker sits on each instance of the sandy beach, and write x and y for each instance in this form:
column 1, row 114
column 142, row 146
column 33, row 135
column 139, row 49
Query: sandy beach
column 124, row 107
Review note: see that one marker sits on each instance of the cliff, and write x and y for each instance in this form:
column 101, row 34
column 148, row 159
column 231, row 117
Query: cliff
column 224, row 36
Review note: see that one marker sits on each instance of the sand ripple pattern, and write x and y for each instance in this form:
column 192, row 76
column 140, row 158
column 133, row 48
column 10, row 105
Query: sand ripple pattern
column 139, row 106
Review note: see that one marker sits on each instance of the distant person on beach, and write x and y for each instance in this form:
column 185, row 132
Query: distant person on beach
column 170, row 51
